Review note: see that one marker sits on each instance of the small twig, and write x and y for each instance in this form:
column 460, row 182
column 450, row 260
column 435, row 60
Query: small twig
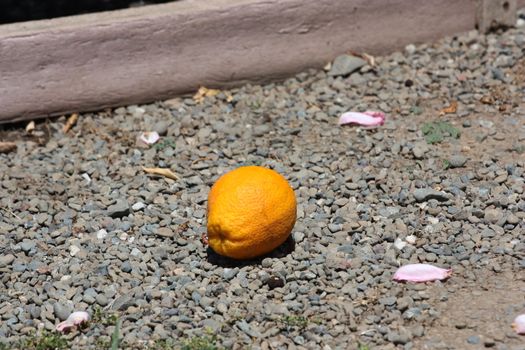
column 11, row 212
column 71, row 121
column 367, row 331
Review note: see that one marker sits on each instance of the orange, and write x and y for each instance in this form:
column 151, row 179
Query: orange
column 251, row 211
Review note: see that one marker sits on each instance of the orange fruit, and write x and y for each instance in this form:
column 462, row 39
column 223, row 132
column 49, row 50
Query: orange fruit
column 251, row 211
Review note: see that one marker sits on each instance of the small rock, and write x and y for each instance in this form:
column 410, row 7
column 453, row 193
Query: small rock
column 126, row 266
column 101, row 234
column 298, row 237
column 275, row 282
column 61, row 311
column 299, row 340
column 27, row 245
column 138, row 206
column 73, row 250
column 388, row 301
column 424, row 194
column 493, row 215
column 228, row 273
column 402, row 337
column 161, row 128
column 419, row 150
column 511, row 219
column 486, row 123
column 212, row 324
column 101, row 300
column 457, row 161
column 6, row 260
column 122, row 303
column 399, row 243
column 19, row 267
column 246, row 328
column 35, row 311
column 119, row 209
column 165, row 232
column 410, row 49
column 345, row 64
column 473, row 339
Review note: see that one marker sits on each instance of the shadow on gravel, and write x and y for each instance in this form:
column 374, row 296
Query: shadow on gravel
column 283, row 250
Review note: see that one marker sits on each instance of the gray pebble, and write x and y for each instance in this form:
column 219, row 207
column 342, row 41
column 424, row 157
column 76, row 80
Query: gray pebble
column 229, row 273
column 126, row 266
column 119, row 209
column 246, row 328
column 425, row 194
column 62, row 311
column 345, row 64
column 165, row 232
column 6, row 260
column 457, row 161
column 27, row 245
column 474, row 339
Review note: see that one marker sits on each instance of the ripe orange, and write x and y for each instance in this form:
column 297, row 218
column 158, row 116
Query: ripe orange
column 251, row 211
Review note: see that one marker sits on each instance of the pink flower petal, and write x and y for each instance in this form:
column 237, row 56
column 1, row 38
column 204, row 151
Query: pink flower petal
column 519, row 324
column 421, row 273
column 75, row 319
column 368, row 118
column 64, row 326
column 149, row 137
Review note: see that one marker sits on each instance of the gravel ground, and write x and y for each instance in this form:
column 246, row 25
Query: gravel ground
column 84, row 228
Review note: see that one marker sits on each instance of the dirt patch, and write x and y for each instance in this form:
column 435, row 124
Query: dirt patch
column 478, row 314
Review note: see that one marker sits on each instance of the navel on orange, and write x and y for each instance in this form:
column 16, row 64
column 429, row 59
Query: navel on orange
column 251, row 211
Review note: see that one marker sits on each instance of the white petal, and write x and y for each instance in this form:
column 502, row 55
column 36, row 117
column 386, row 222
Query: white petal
column 149, row 137
column 519, row 324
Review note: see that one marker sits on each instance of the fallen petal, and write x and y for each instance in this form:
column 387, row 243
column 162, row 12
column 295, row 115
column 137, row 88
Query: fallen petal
column 149, row 137
column 30, row 127
column 78, row 317
column 75, row 319
column 368, row 118
column 421, row 273
column 161, row 171
column 64, row 326
column 519, row 324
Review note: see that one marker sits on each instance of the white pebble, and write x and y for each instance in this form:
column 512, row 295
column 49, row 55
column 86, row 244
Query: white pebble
column 101, row 234
column 87, row 178
column 411, row 239
column 136, row 252
column 399, row 243
column 138, row 206
column 410, row 49
column 433, row 220
column 123, row 236
column 73, row 250
column 429, row 229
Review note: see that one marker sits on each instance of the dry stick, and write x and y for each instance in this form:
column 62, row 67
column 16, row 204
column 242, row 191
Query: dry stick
column 72, row 120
